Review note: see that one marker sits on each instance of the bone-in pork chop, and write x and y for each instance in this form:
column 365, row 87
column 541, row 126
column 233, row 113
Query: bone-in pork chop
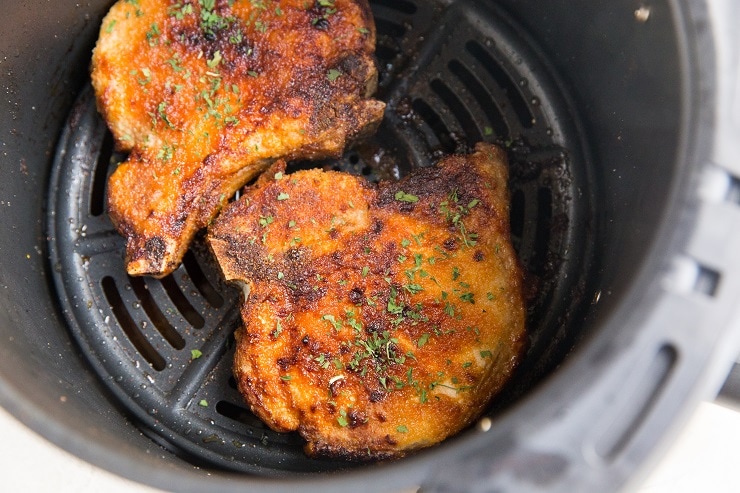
column 377, row 319
column 205, row 94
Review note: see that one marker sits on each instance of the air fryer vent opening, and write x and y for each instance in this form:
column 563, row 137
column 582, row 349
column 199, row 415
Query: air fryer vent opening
column 452, row 75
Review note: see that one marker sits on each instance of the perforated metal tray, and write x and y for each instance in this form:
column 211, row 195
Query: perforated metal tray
column 452, row 76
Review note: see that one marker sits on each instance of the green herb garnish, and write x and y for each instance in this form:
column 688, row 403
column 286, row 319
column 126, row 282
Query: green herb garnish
column 402, row 196
column 342, row 419
column 213, row 62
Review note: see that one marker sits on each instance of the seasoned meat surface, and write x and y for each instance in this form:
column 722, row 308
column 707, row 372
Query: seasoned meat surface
column 377, row 319
column 205, row 94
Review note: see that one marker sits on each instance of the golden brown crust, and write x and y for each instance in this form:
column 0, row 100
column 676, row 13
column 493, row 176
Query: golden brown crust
column 381, row 319
column 205, row 98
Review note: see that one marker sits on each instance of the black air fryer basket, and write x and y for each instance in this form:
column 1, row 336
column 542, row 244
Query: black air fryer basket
column 621, row 124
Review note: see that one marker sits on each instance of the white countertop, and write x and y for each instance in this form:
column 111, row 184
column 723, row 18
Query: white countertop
column 705, row 457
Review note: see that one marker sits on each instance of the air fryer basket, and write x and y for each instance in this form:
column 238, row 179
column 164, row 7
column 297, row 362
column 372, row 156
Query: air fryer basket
column 623, row 205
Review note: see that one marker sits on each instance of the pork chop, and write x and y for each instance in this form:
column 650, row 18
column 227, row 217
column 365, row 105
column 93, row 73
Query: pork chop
column 377, row 320
column 205, row 94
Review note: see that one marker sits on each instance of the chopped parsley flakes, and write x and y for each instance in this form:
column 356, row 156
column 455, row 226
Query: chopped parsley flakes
column 402, row 196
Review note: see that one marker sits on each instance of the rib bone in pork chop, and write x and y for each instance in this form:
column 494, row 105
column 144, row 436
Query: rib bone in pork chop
column 378, row 320
column 205, row 94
